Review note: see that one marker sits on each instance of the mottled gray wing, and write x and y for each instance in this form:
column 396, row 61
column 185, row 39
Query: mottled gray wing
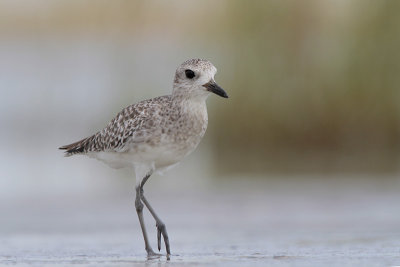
column 134, row 124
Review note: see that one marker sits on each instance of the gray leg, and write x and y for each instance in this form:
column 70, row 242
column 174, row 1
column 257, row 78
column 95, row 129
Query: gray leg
column 161, row 228
column 139, row 210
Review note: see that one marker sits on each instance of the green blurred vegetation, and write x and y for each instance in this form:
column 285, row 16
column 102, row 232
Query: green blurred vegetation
column 315, row 87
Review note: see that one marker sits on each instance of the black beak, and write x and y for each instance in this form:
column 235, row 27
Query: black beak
column 213, row 87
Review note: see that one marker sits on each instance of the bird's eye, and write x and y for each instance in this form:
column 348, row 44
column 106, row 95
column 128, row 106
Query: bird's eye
column 189, row 74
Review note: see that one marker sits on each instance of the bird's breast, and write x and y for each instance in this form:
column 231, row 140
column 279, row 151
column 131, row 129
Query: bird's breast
column 175, row 136
column 182, row 136
column 191, row 124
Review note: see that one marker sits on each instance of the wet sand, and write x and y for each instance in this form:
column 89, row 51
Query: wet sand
column 261, row 224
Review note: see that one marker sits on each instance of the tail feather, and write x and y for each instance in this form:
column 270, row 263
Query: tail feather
column 76, row 148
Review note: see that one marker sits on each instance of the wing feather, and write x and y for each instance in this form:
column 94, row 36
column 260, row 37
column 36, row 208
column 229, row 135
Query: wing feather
column 133, row 124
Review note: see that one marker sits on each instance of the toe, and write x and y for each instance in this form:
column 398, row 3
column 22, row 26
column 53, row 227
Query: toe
column 159, row 238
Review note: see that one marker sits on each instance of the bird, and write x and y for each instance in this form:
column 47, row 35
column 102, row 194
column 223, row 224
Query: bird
column 154, row 135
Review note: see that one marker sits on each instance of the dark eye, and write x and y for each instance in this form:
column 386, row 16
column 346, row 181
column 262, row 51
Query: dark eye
column 189, row 74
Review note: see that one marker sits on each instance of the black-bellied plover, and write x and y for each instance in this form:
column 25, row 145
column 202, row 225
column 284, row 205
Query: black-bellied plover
column 156, row 134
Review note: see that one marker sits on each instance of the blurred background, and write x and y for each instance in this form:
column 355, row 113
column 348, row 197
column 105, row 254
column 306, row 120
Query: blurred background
column 309, row 134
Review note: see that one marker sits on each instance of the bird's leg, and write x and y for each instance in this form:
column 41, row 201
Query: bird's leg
column 139, row 210
column 161, row 228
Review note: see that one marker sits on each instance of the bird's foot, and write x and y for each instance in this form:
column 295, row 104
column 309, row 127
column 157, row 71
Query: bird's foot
column 162, row 230
column 152, row 254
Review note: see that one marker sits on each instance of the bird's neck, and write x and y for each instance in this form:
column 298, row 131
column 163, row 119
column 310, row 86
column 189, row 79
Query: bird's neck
column 194, row 95
column 188, row 101
column 191, row 105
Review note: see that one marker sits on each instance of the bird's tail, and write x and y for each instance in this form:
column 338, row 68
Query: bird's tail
column 77, row 147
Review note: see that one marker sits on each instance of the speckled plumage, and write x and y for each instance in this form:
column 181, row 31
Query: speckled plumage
column 156, row 133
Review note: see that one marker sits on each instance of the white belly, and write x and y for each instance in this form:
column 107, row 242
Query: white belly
column 160, row 157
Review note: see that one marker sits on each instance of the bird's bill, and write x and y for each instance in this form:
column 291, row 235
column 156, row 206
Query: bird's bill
column 212, row 86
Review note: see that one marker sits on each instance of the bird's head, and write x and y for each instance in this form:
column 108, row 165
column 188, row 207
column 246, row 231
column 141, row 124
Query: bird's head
column 194, row 78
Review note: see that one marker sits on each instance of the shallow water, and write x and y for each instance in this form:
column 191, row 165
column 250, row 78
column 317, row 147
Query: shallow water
column 123, row 249
column 262, row 225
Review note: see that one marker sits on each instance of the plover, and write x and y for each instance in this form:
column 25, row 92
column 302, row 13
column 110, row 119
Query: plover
column 156, row 134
